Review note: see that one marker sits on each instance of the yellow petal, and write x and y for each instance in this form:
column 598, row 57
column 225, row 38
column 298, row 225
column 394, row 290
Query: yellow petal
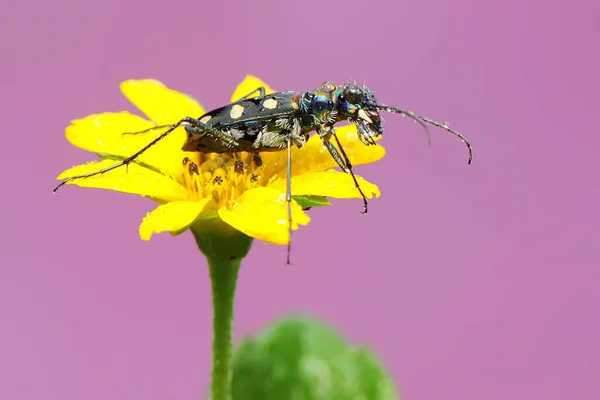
column 161, row 104
column 249, row 84
column 171, row 217
column 134, row 179
column 103, row 133
column 110, row 134
column 314, row 157
column 329, row 183
column 262, row 213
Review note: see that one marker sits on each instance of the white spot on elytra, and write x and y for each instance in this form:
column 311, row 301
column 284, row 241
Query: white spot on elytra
column 205, row 119
column 270, row 103
column 236, row 111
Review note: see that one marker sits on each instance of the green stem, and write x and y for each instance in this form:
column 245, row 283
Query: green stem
column 223, row 276
column 224, row 249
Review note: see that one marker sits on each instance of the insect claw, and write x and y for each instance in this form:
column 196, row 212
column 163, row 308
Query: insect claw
column 288, row 261
column 63, row 183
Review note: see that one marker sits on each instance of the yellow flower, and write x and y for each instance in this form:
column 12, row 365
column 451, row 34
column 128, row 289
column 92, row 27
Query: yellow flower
column 238, row 188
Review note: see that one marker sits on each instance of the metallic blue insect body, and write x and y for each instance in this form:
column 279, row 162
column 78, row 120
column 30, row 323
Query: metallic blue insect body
column 278, row 121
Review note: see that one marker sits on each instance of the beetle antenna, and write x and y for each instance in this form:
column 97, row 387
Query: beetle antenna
column 424, row 121
column 409, row 114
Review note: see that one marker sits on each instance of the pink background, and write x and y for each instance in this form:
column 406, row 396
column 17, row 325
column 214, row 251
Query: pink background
column 477, row 282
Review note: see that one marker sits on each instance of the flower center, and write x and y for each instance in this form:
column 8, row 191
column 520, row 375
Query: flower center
column 223, row 177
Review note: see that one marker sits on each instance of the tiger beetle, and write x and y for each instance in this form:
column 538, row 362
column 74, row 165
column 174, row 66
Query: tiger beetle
column 278, row 121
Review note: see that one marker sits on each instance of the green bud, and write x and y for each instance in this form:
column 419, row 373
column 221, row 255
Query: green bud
column 302, row 359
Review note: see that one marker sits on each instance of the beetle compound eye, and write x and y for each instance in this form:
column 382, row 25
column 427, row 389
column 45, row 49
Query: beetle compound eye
column 319, row 104
column 353, row 94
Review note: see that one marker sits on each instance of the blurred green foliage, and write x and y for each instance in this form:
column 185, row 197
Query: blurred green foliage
column 302, row 359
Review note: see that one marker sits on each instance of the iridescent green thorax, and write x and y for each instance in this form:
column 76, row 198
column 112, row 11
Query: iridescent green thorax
column 318, row 106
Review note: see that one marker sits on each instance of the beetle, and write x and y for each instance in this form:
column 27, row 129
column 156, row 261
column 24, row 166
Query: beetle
column 280, row 120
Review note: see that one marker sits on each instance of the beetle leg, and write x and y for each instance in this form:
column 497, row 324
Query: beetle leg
column 341, row 158
column 260, row 90
column 288, row 197
column 187, row 120
column 149, row 129
column 195, row 127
